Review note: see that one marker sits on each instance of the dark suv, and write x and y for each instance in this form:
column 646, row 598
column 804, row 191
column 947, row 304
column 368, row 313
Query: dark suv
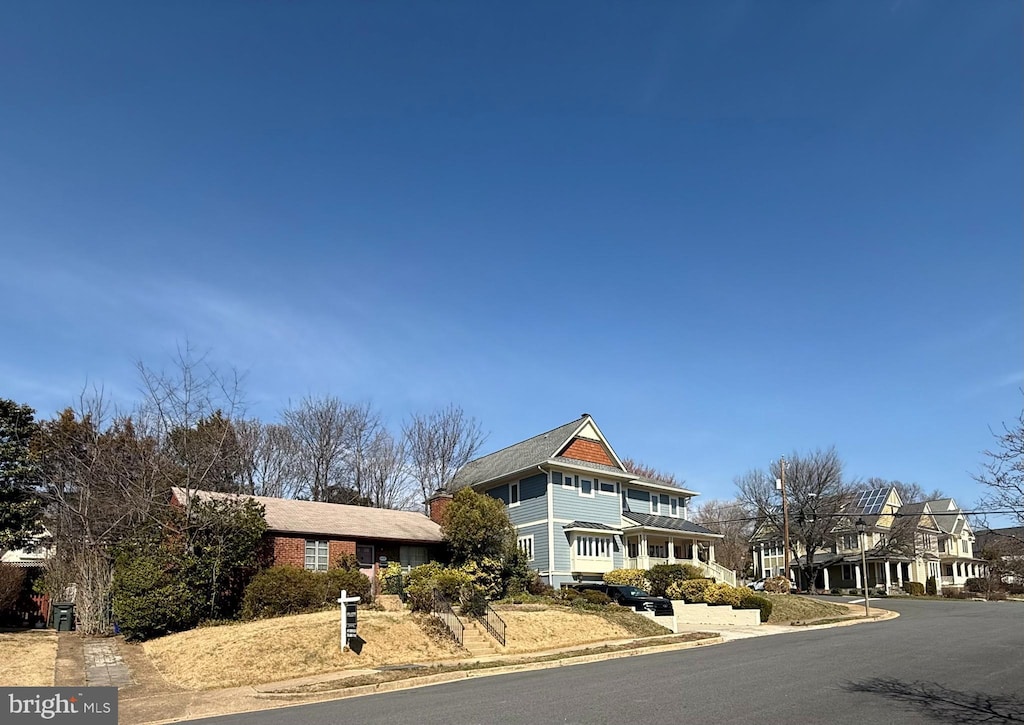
column 627, row 596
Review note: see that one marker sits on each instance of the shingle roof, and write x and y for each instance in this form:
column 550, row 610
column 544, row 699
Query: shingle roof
column 589, row 525
column 666, row 522
column 334, row 519
column 1013, row 535
column 517, row 457
column 599, row 467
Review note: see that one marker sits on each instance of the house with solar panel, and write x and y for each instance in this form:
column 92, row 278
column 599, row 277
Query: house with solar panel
column 901, row 543
column 579, row 513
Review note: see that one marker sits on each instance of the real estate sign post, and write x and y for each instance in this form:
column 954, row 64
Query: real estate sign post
column 348, row 618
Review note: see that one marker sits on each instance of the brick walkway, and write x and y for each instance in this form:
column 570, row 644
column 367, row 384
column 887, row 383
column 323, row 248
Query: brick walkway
column 104, row 665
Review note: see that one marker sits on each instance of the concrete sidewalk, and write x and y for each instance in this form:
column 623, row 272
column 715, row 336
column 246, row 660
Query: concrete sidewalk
column 147, row 698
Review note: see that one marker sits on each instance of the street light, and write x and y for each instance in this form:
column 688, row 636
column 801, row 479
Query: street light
column 861, row 528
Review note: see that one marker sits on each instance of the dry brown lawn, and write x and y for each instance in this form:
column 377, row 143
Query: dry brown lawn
column 788, row 608
column 27, row 658
column 284, row 648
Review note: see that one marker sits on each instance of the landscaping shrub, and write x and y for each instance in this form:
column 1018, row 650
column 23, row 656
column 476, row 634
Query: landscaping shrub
column 423, row 580
column 930, row 587
column 148, row 602
column 592, row 596
column 485, row 574
column 690, row 591
column 12, row 579
column 538, row 587
column 630, row 577
column 914, row 589
column 976, row 585
column 282, row 590
column 354, row 582
column 392, row 579
column 750, row 599
column 777, row 585
column 347, row 562
column 956, row 594
column 722, row 593
column 663, row 576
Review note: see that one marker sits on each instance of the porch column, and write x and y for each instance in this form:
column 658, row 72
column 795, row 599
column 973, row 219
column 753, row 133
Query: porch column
column 856, row 575
column 644, row 553
column 888, row 576
column 711, row 552
column 671, row 550
column 762, row 574
column 824, row 580
column 899, row 575
column 693, row 551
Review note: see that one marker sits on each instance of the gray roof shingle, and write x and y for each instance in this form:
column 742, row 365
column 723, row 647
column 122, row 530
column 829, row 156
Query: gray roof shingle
column 666, row 522
column 589, row 525
column 334, row 519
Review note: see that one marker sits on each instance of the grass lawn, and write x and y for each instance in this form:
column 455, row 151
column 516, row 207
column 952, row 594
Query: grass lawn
column 27, row 658
column 284, row 648
column 790, row 608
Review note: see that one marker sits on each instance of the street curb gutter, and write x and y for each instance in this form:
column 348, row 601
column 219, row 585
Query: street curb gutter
column 440, row 678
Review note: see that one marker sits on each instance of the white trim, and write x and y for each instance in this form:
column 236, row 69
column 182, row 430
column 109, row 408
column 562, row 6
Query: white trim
column 519, row 500
column 550, row 491
column 603, row 440
column 597, row 487
column 520, row 540
column 607, row 532
column 538, row 522
column 592, row 480
column 664, row 487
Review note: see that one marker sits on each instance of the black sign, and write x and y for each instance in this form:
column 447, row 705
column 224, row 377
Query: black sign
column 350, row 621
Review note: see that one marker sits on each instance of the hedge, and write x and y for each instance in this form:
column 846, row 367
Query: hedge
column 914, row 589
column 629, row 577
column 750, row 599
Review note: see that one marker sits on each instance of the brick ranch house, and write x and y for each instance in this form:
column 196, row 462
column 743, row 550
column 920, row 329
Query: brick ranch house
column 312, row 534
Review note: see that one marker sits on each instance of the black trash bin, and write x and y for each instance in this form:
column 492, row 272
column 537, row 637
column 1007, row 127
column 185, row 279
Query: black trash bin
column 63, row 614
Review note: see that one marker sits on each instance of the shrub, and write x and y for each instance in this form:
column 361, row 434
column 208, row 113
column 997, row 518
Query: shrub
column 424, row 580
column 722, row 593
column 392, row 579
column 148, row 602
column 750, row 599
column 663, row 576
column 975, row 585
column 914, row 589
column 592, row 596
column 538, row 587
column 474, row 602
column 347, row 562
column 691, row 571
column 956, row 594
column 997, row 596
column 690, row 591
column 930, row 587
column 777, row 585
column 355, row 584
column 12, row 579
column 630, row 577
column 282, row 590
column 485, row 574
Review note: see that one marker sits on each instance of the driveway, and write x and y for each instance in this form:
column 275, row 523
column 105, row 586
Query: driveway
column 955, row 662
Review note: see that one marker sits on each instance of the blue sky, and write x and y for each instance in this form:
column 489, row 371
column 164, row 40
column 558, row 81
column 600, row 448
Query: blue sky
column 727, row 230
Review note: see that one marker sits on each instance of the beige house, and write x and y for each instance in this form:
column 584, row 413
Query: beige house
column 902, row 543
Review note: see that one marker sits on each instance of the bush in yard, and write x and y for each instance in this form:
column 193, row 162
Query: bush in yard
column 538, row 587
column 148, row 601
column 282, row 590
column 749, row 599
column 722, row 593
column 12, row 579
column 777, row 585
column 996, row 596
column 355, row 584
column 424, row 580
column 976, row 585
column 630, row 577
column 930, row 586
column 690, row 591
column 662, row 576
column 392, row 579
column 914, row 589
column 486, row 575
column 592, row 596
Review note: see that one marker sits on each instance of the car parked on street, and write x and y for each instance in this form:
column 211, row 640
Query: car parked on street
column 758, row 586
column 629, row 596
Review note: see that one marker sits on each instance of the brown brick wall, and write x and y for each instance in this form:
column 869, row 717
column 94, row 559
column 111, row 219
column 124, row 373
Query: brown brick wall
column 584, row 450
column 291, row 550
column 437, row 506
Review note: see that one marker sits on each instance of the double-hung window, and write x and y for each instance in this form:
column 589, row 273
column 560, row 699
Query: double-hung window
column 525, row 544
column 598, row 547
column 316, row 554
column 654, row 504
column 513, row 494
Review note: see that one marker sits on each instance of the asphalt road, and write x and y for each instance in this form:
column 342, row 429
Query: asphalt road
column 941, row 661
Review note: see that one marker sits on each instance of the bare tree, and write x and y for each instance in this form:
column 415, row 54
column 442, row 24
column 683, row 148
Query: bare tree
column 363, row 429
column 818, row 496
column 270, row 459
column 439, row 444
column 733, row 520
column 387, row 480
column 637, row 468
column 321, row 429
column 1002, row 474
column 188, row 409
column 909, row 492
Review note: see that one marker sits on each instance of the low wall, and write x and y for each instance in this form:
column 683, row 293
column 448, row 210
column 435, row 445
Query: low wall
column 721, row 615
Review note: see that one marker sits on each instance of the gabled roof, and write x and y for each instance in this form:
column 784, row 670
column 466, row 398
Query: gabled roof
column 333, row 519
column 666, row 522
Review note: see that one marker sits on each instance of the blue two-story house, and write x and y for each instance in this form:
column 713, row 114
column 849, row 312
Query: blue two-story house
column 579, row 513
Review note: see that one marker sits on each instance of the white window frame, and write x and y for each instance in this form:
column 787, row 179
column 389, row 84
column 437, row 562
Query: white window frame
column 525, row 544
column 598, row 489
column 654, row 504
column 514, row 486
column 593, row 481
column 567, row 481
column 673, row 505
column 321, row 554
column 593, row 546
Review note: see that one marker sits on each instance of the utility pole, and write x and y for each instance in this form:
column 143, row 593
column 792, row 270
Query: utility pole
column 785, row 514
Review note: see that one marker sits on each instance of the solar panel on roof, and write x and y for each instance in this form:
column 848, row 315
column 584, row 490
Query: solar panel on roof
column 871, row 502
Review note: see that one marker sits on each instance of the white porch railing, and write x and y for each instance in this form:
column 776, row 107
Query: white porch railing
column 718, row 571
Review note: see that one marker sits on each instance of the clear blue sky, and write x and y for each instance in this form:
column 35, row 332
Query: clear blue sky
column 728, row 230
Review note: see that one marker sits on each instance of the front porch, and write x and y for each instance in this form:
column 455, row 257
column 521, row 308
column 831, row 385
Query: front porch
column 646, row 549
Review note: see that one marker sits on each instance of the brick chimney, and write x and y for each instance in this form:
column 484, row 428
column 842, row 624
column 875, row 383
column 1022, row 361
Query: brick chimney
column 437, row 503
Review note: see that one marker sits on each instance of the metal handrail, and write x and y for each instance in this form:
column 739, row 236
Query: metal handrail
column 494, row 624
column 443, row 611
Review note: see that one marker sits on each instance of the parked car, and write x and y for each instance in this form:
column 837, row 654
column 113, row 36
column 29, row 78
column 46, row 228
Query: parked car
column 627, row 596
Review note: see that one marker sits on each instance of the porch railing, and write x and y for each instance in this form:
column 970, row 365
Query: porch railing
column 442, row 609
column 719, row 572
column 494, row 624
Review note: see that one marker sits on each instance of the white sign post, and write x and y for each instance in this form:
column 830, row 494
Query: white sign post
column 348, row 619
